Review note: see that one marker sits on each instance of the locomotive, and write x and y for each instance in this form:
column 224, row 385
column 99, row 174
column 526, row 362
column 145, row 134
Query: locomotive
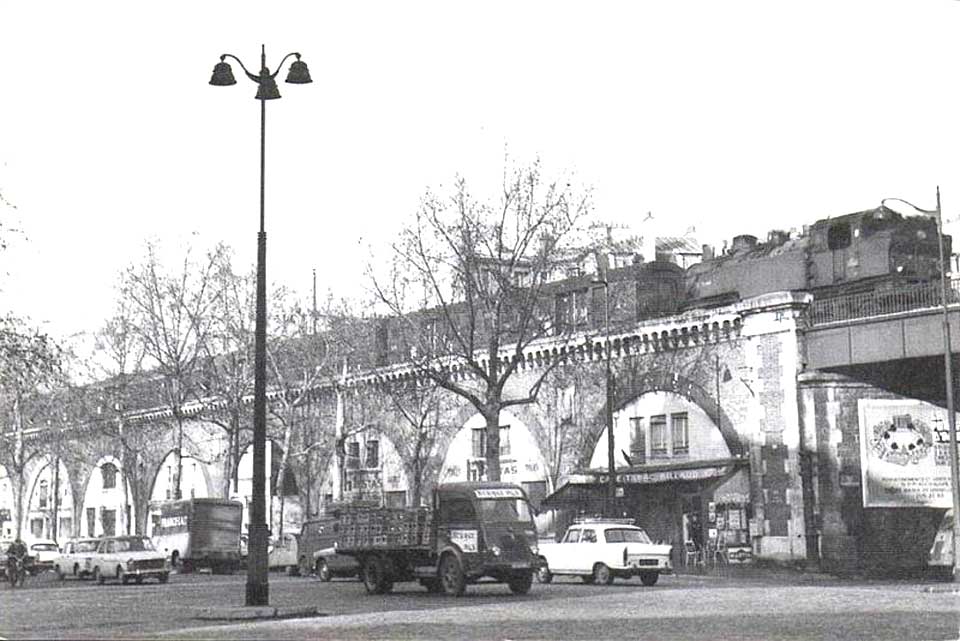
column 864, row 251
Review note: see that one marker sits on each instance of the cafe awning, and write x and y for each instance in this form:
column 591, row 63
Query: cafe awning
column 586, row 485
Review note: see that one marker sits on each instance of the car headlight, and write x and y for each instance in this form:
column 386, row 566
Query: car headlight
column 495, row 549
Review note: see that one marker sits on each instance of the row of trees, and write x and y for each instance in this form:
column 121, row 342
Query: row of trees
column 182, row 337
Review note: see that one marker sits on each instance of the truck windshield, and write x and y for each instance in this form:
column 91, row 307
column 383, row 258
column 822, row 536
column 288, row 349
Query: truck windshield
column 503, row 510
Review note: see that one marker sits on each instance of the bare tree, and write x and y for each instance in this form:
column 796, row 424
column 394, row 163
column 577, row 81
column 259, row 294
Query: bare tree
column 171, row 315
column 468, row 287
column 30, row 368
column 421, row 431
column 228, row 360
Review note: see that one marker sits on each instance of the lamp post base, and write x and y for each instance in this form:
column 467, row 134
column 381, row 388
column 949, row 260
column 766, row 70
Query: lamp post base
column 258, row 587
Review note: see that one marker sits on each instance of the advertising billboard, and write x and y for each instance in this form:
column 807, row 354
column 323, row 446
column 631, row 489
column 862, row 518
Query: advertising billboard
column 904, row 454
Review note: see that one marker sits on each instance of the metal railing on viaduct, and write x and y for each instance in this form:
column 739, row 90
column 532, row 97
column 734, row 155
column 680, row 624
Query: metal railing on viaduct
column 881, row 301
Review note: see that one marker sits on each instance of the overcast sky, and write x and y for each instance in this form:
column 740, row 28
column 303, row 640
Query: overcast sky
column 732, row 117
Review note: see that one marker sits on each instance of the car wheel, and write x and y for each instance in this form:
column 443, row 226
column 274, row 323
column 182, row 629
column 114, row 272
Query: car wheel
column 97, row 577
column 323, row 570
column 649, row 578
column 602, row 574
column 164, row 577
column 544, row 575
column 520, row 583
column 452, row 580
column 60, row 574
column 123, row 578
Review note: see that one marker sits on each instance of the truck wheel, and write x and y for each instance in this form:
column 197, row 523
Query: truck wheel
column 520, row 583
column 323, row 571
column 649, row 578
column 452, row 580
column 602, row 574
column 375, row 578
column 544, row 575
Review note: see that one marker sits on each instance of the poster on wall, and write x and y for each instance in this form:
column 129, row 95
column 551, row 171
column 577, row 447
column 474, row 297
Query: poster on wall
column 904, row 454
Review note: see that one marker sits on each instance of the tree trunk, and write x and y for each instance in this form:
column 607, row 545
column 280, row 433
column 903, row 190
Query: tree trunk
column 493, row 446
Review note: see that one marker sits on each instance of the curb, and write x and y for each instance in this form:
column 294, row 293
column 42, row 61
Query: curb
column 252, row 613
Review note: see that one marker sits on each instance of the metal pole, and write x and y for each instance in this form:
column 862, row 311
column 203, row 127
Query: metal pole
column 951, row 416
column 611, row 463
column 258, row 588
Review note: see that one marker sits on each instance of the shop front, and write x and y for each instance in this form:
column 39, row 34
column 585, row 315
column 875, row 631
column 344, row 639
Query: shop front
column 694, row 505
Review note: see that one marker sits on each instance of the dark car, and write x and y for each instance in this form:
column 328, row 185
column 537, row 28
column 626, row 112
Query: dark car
column 318, row 551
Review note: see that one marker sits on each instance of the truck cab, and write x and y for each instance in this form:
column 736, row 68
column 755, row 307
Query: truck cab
column 488, row 529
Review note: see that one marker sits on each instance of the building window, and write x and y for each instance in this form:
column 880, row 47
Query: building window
column 108, row 519
column 353, row 455
column 479, row 444
column 42, row 491
column 680, row 430
column 658, row 435
column 36, row 528
column 638, row 443
column 169, row 481
column 92, row 521
column 109, row 473
column 504, row 440
column 373, row 454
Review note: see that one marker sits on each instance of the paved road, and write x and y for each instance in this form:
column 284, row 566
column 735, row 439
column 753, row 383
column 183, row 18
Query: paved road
column 680, row 607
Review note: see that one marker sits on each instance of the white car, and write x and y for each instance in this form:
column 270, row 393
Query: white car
column 128, row 558
column 74, row 560
column 600, row 550
column 44, row 555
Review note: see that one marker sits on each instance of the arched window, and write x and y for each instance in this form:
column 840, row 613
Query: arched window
column 42, row 491
column 109, row 473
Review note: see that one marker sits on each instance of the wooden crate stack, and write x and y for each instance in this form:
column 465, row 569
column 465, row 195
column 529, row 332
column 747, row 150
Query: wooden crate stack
column 385, row 527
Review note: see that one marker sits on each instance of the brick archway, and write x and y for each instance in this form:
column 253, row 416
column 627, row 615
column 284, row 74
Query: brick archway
column 626, row 391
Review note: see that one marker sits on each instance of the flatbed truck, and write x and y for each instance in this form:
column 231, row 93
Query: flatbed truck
column 471, row 532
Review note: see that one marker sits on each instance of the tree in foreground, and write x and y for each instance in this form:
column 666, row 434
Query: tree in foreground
column 467, row 287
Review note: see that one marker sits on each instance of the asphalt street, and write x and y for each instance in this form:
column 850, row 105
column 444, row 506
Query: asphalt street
column 679, row 607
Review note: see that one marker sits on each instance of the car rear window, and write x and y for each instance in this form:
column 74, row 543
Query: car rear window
column 626, row 535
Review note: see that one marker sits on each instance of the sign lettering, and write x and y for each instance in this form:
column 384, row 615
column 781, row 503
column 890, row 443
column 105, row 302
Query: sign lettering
column 499, row 493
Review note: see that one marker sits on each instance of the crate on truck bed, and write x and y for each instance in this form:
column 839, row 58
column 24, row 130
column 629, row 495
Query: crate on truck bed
column 385, row 527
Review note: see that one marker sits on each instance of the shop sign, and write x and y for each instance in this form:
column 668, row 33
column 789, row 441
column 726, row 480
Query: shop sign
column 673, row 475
column 904, row 454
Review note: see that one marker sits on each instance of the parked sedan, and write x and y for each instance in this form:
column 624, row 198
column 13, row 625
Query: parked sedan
column 128, row 558
column 44, row 555
column 600, row 550
column 75, row 559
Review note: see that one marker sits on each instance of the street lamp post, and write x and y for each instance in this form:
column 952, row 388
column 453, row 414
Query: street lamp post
column 258, row 589
column 611, row 461
column 948, row 375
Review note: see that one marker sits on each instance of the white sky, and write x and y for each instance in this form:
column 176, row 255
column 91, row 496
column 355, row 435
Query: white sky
column 733, row 117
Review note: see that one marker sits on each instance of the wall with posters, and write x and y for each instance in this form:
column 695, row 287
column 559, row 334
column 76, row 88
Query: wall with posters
column 874, row 464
